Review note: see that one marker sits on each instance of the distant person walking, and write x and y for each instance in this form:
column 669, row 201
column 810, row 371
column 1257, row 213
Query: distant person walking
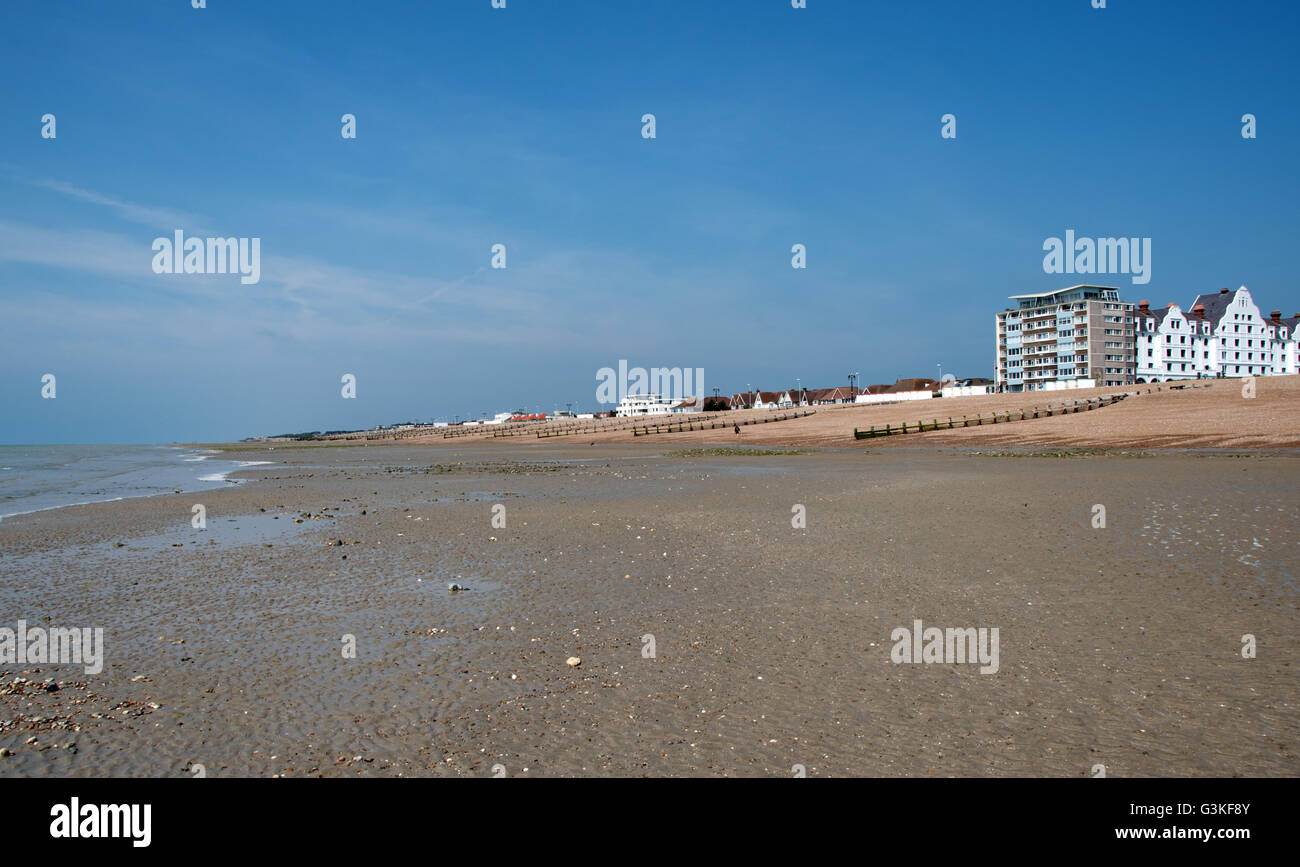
column 737, row 428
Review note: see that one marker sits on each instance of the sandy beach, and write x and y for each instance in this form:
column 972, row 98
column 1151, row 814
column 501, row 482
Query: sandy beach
column 1205, row 413
column 1119, row 646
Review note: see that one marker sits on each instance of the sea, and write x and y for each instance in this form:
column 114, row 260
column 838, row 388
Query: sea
column 37, row 478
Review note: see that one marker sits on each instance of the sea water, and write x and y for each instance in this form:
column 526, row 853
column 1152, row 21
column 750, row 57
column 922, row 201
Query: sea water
column 35, row 478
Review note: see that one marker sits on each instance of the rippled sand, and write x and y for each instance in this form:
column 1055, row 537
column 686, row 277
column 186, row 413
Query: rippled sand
column 1119, row 646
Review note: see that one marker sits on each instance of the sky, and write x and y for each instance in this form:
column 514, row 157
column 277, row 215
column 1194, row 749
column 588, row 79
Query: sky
column 522, row 126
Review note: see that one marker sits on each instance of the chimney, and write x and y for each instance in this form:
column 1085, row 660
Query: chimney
column 1144, row 306
column 1223, row 291
column 1276, row 314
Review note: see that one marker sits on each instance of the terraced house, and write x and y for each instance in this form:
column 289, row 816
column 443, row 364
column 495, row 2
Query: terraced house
column 1223, row 334
column 1083, row 334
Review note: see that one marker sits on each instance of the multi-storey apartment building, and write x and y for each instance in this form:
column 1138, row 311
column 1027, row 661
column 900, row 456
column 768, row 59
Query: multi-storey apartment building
column 1222, row 335
column 1083, row 332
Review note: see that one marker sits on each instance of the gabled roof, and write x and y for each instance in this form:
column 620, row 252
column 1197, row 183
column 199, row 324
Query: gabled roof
column 913, row 384
column 1287, row 322
column 839, row 392
column 1160, row 313
column 1216, row 305
column 1163, row 314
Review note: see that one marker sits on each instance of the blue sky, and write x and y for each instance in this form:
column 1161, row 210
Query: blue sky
column 522, row 127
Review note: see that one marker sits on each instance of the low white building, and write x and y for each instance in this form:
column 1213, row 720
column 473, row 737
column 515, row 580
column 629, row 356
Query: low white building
column 969, row 390
column 894, row 396
column 644, row 404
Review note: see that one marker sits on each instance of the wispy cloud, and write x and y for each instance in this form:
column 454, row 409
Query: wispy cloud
column 145, row 215
column 104, row 253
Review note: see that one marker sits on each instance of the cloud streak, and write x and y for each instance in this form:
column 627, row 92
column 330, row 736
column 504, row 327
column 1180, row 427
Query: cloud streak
column 145, row 215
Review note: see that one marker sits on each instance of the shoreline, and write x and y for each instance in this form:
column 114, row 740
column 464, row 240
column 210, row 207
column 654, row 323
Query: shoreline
column 662, row 449
column 152, row 476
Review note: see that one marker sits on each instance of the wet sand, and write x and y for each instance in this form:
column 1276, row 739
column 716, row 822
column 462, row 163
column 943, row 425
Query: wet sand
column 1118, row 646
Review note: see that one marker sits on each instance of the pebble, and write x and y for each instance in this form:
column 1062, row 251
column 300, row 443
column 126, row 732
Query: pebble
column 573, row 662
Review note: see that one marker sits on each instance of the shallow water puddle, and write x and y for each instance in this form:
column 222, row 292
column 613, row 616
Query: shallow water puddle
column 223, row 532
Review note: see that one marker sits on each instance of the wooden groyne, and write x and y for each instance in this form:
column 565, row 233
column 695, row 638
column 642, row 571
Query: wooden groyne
column 1000, row 417
column 683, row 426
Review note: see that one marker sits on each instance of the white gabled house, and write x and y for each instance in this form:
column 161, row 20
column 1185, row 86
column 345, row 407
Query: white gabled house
column 1223, row 334
column 1171, row 345
column 1282, row 332
column 1243, row 346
